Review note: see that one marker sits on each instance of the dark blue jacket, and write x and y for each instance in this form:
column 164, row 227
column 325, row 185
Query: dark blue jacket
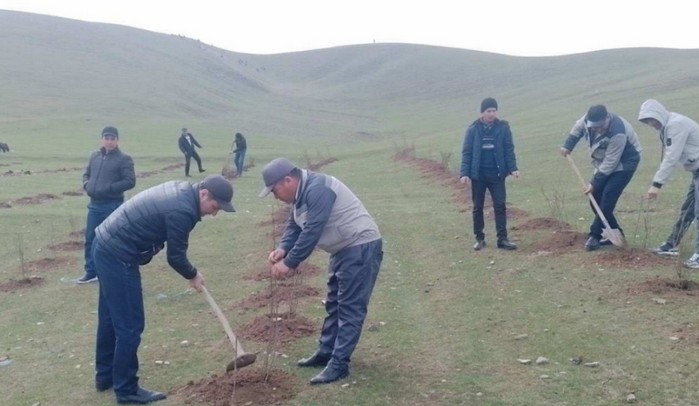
column 185, row 146
column 108, row 175
column 504, row 149
column 139, row 228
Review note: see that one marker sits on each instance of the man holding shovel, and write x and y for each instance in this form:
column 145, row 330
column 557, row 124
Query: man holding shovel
column 679, row 136
column 127, row 239
column 616, row 153
column 327, row 214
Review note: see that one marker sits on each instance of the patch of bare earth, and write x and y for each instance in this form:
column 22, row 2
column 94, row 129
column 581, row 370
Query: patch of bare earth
column 48, row 264
column 278, row 328
column 77, row 233
column 24, row 283
column 661, row 286
column 73, row 193
column 633, row 258
column 279, row 294
column 542, row 223
column 38, row 199
column 248, row 386
column 304, row 270
column 67, row 246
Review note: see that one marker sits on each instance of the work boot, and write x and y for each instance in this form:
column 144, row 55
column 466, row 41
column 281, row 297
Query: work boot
column 142, row 396
column 318, row 359
column 504, row 244
column 592, row 244
column 331, row 373
column 479, row 245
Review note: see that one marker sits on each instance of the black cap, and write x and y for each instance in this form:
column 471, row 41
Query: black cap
column 220, row 189
column 110, row 131
column 596, row 116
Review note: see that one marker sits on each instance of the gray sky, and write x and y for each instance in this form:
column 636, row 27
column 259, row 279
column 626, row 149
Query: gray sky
column 513, row 27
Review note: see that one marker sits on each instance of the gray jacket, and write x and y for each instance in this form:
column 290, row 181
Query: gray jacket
column 616, row 150
column 679, row 137
column 326, row 213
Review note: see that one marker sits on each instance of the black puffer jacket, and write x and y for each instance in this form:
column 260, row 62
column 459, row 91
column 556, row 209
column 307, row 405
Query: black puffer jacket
column 108, row 175
column 140, row 228
column 504, row 149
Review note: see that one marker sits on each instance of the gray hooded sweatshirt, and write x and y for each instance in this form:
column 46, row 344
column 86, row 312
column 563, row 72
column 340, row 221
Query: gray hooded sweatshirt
column 679, row 136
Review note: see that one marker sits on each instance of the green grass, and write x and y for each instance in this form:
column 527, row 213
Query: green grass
column 447, row 317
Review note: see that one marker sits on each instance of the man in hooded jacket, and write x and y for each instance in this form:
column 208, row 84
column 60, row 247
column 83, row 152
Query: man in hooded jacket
column 679, row 136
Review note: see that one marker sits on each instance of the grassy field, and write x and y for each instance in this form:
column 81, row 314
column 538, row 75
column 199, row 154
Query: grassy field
column 448, row 325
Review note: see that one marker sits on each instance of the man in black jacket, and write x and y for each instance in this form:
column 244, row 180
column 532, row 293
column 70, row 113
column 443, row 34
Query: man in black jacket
column 127, row 239
column 109, row 173
column 187, row 144
column 487, row 158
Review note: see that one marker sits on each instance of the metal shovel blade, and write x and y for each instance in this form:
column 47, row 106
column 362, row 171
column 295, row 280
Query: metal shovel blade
column 615, row 236
column 241, row 361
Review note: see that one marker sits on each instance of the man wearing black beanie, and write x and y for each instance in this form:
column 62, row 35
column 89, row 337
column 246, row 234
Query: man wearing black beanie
column 487, row 158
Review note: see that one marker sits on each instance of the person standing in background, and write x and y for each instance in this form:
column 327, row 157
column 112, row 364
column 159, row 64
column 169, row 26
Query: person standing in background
column 238, row 152
column 187, row 144
column 487, row 158
column 108, row 174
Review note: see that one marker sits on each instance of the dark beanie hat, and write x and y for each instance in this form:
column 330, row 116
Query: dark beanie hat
column 487, row 103
column 109, row 130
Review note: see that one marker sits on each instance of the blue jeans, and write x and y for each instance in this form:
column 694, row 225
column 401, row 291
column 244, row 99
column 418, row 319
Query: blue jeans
column 120, row 322
column 498, row 193
column 352, row 275
column 607, row 195
column 96, row 214
column 239, row 160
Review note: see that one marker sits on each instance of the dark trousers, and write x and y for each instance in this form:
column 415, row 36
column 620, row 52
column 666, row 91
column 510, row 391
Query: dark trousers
column 496, row 186
column 96, row 214
column 607, row 195
column 239, row 160
column 352, row 274
column 685, row 219
column 188, row 159
column 120, row 322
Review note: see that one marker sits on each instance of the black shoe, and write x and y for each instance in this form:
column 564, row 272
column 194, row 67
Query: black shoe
column 592, row 244
column 318, row 359
column 202, row 170
column 189, row 176
column 479, row 245
column 331, row 373
column 504, row 244
column 142, row 396
column 101, row 387
column 605, row 242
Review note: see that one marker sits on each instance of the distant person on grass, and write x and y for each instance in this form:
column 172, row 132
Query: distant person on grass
column 188, row 144
column 162, row 215
column 679, row 136
column 615, row 152
column 487, row 158
column 327, row 214
column 108, row 174
column 240, row 147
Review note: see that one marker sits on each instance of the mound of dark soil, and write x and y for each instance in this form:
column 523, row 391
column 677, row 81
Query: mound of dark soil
column 249, row 386
column 24, row 283
column 284, row 293
column 561, row 241
column 38, row 199
column 48, row 264
column 632, row 258
column 278, row 328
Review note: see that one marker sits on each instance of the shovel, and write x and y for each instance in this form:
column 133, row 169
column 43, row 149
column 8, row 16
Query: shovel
column 242, row 359
column 612, row 234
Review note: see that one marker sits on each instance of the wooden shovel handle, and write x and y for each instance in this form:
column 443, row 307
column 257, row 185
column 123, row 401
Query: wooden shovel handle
column 589, row 195
column 227, row 327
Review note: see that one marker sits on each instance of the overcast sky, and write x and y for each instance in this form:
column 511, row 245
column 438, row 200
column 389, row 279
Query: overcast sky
column 513, row 27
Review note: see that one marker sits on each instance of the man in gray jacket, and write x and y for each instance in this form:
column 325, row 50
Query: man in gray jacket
column 615, row 152
column 327, row 214
column 679, row 136
column 109, row 173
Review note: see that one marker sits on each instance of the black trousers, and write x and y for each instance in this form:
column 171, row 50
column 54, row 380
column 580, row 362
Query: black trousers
column 188, row 158
column 496, row 187
column 607, row 195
